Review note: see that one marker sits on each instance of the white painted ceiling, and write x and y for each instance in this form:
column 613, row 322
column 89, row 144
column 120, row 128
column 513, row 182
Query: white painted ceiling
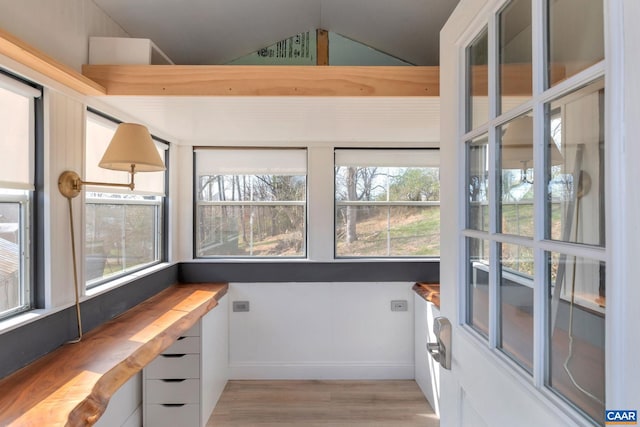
column 218, row 31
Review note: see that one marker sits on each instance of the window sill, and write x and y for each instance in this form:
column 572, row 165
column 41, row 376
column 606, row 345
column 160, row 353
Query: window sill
column 311, row 261
column 30, row 316
column 123, row 280
column 25, row 318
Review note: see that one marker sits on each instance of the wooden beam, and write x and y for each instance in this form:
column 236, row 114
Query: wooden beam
column 322, row 47
column 14, row 48
column 268, row 80
column 516, row 79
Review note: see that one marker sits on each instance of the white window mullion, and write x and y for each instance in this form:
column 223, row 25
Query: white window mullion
column 320, row 225
column 538, row 32
column 494, row 253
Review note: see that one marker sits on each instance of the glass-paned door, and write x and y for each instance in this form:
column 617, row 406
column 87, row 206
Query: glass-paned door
column 534, row 238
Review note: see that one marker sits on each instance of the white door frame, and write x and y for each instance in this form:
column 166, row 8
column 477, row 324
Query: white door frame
column 483, row 387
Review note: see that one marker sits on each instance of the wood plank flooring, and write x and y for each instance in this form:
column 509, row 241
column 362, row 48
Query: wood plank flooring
column 323, row 403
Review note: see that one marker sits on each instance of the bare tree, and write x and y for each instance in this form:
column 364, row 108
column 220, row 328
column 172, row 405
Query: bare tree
column 352, row 211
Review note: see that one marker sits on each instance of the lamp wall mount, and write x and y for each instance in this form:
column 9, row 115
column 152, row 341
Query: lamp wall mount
column 70, row 184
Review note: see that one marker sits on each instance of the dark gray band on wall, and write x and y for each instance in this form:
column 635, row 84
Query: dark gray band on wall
column 23, row 345
column 27, row 343
column 384, row 271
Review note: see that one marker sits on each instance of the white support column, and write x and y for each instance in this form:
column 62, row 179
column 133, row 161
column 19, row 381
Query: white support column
column 320, row 195
column 182, row 203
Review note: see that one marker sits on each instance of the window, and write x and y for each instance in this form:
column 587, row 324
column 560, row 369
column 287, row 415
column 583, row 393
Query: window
column 387, row 203
column 575, row 282
column 515, row 54
column 515, row 199
column 477, row 83
column 250, row 202
column 535, row 212
column 478, row 286
column 123, row 229
column 17, row 185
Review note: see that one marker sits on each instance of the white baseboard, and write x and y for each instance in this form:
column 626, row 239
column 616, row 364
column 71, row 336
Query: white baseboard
column 320, row 371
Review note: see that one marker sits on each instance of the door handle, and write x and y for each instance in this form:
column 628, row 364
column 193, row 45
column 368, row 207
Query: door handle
column 441, row 349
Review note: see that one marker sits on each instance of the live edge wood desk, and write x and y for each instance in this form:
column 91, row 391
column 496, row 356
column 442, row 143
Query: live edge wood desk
column 73, row 384
column 429, row 291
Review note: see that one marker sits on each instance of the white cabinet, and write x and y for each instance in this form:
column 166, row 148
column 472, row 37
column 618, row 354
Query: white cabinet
column 125, row 51
column 427, row 370
column 182, row 385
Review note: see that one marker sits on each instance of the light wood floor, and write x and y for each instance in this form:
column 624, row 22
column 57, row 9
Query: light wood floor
column 323, row 403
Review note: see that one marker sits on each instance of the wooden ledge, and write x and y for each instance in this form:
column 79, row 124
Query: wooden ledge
column 429, row 291
column 27, row 55
column 72, row 385
column 264, row 80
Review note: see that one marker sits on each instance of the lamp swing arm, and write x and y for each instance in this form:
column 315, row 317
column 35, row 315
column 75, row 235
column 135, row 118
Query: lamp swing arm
column 70, row 184
column 130, row 185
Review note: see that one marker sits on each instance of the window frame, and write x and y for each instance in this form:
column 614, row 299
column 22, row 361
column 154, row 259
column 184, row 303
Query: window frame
column 197, row 203
column 25, row 283
column 31, row 265
column 374, row 203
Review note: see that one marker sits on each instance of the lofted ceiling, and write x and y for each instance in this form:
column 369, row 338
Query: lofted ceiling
column 198, row 32
column 213, row 32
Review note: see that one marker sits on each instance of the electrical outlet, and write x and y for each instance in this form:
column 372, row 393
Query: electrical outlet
column 399, row 305
column 240, row 306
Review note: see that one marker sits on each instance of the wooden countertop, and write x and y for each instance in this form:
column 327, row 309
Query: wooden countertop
column 429, row 291
column 73, row 384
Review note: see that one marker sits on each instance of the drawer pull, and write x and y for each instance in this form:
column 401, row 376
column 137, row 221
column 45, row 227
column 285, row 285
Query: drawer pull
column 181, row 338
column 172, row 405
column 173, row 380
column 173, row 355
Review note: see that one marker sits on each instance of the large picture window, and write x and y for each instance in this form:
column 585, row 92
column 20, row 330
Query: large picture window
column 251, row 202
column 387, row 203
column 17, row 174
column 123, row 230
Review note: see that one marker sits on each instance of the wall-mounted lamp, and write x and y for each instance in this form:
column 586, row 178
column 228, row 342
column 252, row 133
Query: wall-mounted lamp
column 131, row 150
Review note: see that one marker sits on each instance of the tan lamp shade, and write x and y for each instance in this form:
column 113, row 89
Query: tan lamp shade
column 132, row 145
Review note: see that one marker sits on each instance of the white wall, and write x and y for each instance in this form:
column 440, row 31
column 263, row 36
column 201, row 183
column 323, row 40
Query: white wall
column 64, row 148
column 181, row 202
column 321, row 331
column 60, row 28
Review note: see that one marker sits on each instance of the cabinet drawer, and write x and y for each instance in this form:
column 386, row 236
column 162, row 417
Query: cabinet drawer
column 184, row 345
column 174, row 367
column 172, row 415
column 173, row 391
